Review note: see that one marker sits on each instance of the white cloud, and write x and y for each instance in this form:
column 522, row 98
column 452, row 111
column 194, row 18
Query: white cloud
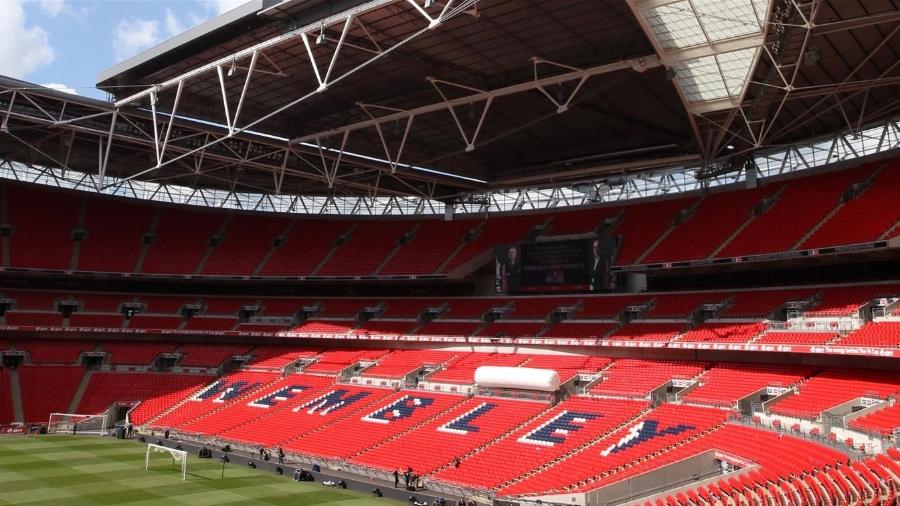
column 24, row 48
column 173, row 24
column 60, row 87
column 132, row 36
column 52, row 7
column 222, row 6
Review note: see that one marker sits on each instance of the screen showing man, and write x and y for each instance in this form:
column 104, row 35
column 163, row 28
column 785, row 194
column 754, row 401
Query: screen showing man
column 508, row 269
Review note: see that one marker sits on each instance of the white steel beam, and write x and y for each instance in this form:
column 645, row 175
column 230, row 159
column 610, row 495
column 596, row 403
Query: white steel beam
column 638, row 64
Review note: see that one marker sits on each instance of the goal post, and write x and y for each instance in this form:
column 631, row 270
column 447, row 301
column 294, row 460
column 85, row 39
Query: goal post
column 178, row 457
column 76, row 423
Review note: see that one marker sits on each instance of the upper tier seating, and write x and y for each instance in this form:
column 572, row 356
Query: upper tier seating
column 506, row 230
column 570, row 424
column 882, row 421
column 874, row 334
column 47, row 389
column 834, row 387
column 714, row 220
column 179, row 247
column 725, row 384
column 448, row 328
column 105, row 388
column 42, row 232
column 637, row 378
column 114, row 232
column 238, row 244
column 580, row 222
column 645, row 223
column 243, row 245
column 433, row 243
column 803, row 203
column 305, row 247
column 866, row 217
column 457, row 432
column 324, row 327
column 135, row 353
column 762, row 303
column 368, row 246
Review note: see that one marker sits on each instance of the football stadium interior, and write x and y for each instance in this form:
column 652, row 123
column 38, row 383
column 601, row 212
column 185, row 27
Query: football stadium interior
column 587, row 252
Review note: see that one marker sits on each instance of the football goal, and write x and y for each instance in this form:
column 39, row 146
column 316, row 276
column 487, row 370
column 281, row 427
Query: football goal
column 74, row 423
column 162, row 454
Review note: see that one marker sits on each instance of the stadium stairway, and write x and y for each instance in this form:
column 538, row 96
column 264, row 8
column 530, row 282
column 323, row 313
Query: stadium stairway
column 601, row 438
column 343, row 239
column 690, row 211
column 750, row 219
column 274, row 247
column 404, row 239
column 491, row 442
column 16, row 394
column 836, row 209
column 214, row 242
column 411, row 428
column 476, row 231
column 79, row 392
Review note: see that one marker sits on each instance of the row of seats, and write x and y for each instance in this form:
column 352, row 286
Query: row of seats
column 220, row 313
column 834, row 387
column 721, row 385
column 227, row 244
column 48, row 351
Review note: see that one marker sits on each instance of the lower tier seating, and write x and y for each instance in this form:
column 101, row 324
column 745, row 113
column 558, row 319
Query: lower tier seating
column 105, row 388
column 47, row 389
column 835, row 387
column 653, row 432
column 637, row 378
column 567, row 426
column 213, row 397
column 6, row 407
column 883, row 421
column 457, row 432
column 874, row 334
column 725, row 384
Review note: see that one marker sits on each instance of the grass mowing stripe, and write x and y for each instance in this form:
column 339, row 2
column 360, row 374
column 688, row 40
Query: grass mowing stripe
column 90, row 471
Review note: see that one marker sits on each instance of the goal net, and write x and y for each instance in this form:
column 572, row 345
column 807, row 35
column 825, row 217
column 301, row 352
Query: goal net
column 160, row 457
column 73, row 423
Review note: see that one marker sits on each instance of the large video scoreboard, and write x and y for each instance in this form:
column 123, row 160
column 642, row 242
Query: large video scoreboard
column 553, row 266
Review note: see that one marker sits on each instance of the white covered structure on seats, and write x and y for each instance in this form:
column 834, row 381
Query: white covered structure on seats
column 522, row 378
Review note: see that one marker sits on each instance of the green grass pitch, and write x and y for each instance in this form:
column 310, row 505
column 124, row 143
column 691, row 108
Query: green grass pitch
column 84, row 471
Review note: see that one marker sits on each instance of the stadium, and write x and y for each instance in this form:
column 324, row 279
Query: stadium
column 511, row 252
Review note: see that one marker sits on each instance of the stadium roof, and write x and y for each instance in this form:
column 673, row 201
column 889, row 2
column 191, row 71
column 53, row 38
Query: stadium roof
column 443, row 98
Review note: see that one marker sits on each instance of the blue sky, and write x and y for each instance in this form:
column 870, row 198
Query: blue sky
column 66, row 43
